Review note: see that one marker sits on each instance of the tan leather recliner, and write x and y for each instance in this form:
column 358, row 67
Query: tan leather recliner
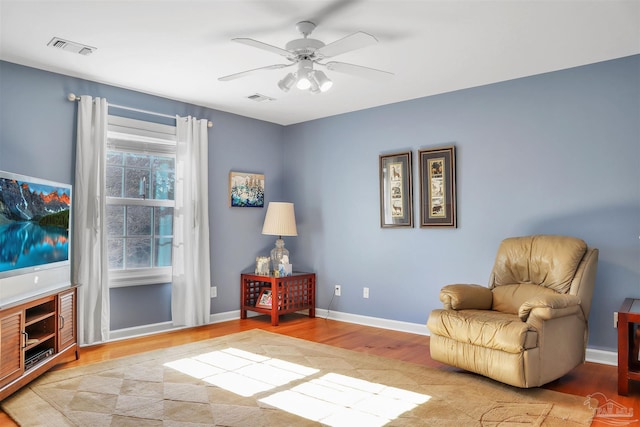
column 529, row 327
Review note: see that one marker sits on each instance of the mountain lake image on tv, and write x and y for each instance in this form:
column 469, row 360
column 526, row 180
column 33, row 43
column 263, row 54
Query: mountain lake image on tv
column 34, row 223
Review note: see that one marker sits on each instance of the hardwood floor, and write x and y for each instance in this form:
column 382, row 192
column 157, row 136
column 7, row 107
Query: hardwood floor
column 584, row 380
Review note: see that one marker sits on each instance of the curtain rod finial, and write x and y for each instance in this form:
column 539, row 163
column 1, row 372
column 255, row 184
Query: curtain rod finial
column 72, row 97
column 209, row 124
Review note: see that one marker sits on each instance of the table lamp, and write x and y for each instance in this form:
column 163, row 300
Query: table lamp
column 280, row 221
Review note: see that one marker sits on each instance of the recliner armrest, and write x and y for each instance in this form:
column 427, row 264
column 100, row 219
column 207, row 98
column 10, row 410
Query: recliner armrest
column 550, row 306
column 466, row 297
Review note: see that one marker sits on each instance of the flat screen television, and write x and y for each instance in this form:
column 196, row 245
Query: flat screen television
column 35, row 236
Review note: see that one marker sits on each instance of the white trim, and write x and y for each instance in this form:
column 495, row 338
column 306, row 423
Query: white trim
column 138, row 110
column 376, row 322
column 142, row 331
column 114, row 137
column 130, row 201
column 158, row 328
column 139, row 136
column 140, row 277
column 593, row 355
column 224, row 317
column 155, row 131
column 231, row 315
column 602, row 356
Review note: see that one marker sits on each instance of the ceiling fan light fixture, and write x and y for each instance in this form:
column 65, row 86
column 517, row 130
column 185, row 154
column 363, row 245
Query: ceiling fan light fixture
column 304, row 82
column 324, row 83
column 315, row 89
column 305, row 74
column 286, row 83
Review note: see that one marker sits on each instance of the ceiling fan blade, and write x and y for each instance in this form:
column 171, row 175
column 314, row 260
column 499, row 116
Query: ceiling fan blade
column 357, row 70
column 263, row 46
column 248, row 72
column 351, row 42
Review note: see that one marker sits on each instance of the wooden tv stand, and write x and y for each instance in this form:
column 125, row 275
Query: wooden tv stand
column 36, row 334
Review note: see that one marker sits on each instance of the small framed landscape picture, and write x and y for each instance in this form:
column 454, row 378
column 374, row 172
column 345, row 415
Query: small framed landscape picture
column 246, row 190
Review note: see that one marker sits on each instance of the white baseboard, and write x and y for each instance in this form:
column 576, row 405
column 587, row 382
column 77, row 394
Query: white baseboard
column 225, row 317
column 602, row 356
column 158, row 328
column 592, row 355
column 395, row 325
column 141, row 331
column 232, row 315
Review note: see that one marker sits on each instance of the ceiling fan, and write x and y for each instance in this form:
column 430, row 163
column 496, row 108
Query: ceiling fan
column 306, row 52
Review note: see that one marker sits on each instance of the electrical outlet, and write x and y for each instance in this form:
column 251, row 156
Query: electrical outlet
column 337, row 290
column 365, row 292
column 214, row 292
column 615, row 319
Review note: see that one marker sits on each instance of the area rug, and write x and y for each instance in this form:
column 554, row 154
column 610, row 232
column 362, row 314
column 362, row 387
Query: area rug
column 258, row 378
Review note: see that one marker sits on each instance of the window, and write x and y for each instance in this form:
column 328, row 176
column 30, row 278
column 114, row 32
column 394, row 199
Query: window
column 140, row 182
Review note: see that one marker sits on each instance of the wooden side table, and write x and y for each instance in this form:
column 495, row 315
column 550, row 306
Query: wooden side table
column 628, row 364
column 288, row 294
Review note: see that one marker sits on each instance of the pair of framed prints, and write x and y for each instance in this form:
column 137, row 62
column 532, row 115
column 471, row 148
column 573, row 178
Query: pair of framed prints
column 437, row 188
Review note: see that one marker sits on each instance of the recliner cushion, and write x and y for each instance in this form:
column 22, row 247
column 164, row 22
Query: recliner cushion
column 509, row 298
column 484, row 328
column 550, row 261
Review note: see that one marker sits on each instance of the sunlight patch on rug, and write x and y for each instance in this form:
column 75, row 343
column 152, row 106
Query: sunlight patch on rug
column 240, row 372
column 333, row 399
column 338, row 400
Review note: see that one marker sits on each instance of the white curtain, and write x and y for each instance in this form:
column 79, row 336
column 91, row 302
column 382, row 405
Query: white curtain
column 190, row 297
column 90, row 262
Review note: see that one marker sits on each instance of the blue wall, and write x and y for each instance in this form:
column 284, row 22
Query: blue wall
column 555, row 153
column 37, row 138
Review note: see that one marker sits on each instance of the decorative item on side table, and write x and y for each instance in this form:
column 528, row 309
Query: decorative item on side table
column 280, row 221
column 438, row 187
column 262, row 265
column 265, row 299
column 396, row 190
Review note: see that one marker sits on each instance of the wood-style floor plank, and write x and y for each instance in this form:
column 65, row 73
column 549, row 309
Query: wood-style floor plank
column 584, row 380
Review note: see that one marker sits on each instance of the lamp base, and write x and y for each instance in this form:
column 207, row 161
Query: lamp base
column 279, row 258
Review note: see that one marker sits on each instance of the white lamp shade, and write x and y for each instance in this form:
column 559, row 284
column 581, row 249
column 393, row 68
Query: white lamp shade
column 280, row 220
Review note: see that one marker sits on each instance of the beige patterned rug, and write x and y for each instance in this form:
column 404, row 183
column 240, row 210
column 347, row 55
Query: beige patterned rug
column 258, row 378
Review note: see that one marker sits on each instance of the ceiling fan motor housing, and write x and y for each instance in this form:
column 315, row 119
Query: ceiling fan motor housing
column 304, row 48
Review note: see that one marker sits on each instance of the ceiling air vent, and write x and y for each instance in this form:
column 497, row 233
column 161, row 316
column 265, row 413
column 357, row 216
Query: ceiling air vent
column 70, row 46
column 259, row 98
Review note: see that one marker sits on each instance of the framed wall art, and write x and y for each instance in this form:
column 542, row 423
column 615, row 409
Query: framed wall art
column 396, row 208
column 438, row 187
column 246, row 190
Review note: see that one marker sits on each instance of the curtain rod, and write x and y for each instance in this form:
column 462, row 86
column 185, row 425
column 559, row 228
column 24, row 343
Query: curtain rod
column 74, row 97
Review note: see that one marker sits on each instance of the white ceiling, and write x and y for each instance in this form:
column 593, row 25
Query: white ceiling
column 178, row 49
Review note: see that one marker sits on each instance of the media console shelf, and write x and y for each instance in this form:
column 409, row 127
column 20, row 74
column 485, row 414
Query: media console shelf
column 35, row 335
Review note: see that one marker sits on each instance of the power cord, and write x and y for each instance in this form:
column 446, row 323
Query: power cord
column 333, row 295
